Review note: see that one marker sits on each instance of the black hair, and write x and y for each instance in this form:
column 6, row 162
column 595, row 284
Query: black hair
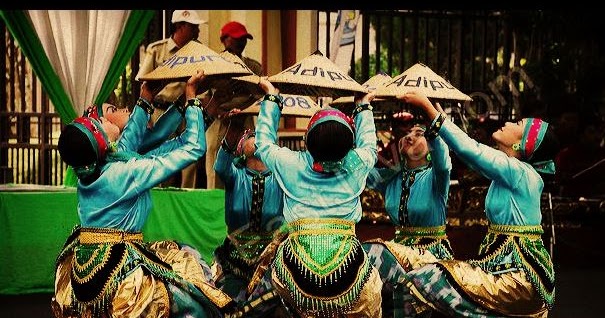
column 75, row 148
column 549, row 147
column 329, row 141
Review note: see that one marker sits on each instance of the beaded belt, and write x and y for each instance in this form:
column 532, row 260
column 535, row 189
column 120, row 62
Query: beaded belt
column 321, row 226
column 431, row 238
column 241, row 252
column 322, row 265
column 105, row 235
column 529, row 231
column 436, row 232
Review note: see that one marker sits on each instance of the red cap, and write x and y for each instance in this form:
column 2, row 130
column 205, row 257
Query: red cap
column 235, row 30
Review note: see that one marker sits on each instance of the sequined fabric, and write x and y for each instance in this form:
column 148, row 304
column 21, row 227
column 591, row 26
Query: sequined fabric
column 240, row 252
column 508, row 248
column 512, row 276
column 459, row 289
column 130, row 279
column 322, row 267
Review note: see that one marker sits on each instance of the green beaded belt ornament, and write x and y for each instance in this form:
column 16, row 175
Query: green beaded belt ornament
column 323, row 265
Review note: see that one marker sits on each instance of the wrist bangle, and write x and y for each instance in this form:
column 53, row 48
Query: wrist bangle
column 433, row 130
column 190, row 102
column 194, row 102
column 278, row 99
column 145, row 104
column 198, row 103
column 361, row 107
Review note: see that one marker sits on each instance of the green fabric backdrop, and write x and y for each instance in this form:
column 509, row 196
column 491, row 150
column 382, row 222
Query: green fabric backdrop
column 34, row 225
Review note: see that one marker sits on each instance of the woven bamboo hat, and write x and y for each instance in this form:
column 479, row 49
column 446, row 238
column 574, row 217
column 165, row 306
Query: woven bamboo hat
column 316, row 76
column 239, row 85
column 421, row 78
column 192, row 57
column 294, row 105
column 371, row 84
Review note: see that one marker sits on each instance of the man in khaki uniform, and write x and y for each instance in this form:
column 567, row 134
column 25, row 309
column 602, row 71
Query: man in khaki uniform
column 185, row 27
column 234, row 37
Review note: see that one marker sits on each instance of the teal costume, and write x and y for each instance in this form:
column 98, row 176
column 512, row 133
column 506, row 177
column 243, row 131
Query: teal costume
column 320, row 267
column 253, row 211
column 416, row 202
column 107, row 246
column 513, row 273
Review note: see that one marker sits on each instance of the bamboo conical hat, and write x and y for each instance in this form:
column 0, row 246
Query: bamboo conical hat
column 189, row 59
column 421, row 78
column 379, row 104
column 294, row 105
column 247, row 84
column 371, row 84
column 316, row 76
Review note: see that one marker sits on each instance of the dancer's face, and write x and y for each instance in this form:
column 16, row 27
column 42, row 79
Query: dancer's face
column 509, row 134
column 413, row 144
column 118, row 116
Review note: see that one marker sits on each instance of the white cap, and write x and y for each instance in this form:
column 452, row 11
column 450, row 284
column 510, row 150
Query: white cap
column 189, row 16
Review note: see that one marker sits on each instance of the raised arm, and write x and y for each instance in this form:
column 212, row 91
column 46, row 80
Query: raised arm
column 266, row 128
column 223, row 165
column 492, row 163
column 136, row 128
column 365, row 129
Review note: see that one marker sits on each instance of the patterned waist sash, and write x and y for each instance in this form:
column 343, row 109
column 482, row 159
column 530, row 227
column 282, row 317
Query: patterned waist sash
column 435, row 232
column 432, row 238
column 104, row 235
column 323, row 265
column 513, row 247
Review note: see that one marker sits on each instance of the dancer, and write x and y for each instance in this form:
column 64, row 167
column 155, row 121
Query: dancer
column 105, row 268
column 253, row 211
column 415, row 197
column 513, row 273
column 320, row 268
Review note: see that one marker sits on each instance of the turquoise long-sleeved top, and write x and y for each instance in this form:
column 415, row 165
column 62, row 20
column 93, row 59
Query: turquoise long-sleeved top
column 240, row 195
column 165, row 125
column 428, row 192
column 120, row 197
column 514, row 194
column 311, row 194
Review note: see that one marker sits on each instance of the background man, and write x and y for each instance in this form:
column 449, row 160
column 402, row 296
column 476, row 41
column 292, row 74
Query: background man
column 234, row 37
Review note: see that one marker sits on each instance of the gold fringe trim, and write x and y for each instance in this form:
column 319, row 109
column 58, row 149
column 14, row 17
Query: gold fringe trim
column 346, row 232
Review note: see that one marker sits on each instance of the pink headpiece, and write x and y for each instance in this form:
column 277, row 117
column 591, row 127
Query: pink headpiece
column 328, row 114
column 533, row 134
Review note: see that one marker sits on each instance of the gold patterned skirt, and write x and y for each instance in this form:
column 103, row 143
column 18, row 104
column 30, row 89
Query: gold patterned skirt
column 412, row 247
column 512, row 276
column 105, row 272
